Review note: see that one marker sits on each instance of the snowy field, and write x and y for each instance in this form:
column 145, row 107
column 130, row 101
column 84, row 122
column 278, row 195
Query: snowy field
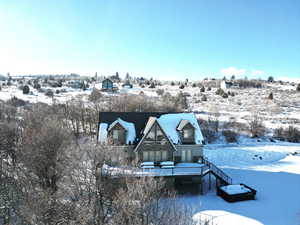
column 271, row 169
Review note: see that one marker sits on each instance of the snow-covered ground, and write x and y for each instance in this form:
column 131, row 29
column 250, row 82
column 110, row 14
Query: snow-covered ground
column 270, row 168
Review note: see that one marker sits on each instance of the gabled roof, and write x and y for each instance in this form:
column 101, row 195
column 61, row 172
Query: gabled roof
column 150, row 124
column 129, row 127
column 170, row 122
column 139, row 119
column 183, row 123
column 107, row 79
column 143, row 121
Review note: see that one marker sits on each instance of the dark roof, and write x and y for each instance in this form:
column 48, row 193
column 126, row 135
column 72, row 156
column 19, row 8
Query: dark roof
column 139, row 119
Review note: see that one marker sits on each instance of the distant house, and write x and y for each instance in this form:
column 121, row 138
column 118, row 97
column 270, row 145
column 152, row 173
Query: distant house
column 127, row 84
column 226, row 84
column 76, row 84
column 108, row 85
column 3, row 78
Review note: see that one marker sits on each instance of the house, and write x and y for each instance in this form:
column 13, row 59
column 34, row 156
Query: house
column 3, row 78
column 108, row 85
column 127, row 84
column 168, row 145
column 226, row 84
column 154, row 137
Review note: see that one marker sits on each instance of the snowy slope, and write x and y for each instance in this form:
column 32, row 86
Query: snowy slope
column 276, row 177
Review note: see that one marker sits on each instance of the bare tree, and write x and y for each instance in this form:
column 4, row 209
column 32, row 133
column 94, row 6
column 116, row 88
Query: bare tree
column 256, row 127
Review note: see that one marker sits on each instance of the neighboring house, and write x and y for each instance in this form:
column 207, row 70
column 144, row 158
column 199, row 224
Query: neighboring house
column 108, row 85
column 76, row 84
column 127, row 84
column 226, row 84
column 154, row 137
column 3, row 78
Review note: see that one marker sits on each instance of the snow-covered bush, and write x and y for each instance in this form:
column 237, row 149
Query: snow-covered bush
column 36, row 86
column 291, row 134
column 152, row 85
column 220, row 91
column 230, row 135
column 181, row 86
column 160, row 91
column 270, row 96
column 49, row 93
column 95, row 95
column 26, row 90
column 204, row 98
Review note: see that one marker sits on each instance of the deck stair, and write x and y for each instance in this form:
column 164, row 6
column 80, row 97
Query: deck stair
column 217, row 172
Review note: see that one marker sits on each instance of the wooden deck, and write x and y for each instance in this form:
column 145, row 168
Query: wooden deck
column 180, row 169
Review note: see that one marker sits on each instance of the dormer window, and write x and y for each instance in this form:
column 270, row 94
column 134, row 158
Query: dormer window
column 116, row 134
column 121, row 132
column 187, row 131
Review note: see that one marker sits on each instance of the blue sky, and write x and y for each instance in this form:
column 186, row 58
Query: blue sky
column 165, row 39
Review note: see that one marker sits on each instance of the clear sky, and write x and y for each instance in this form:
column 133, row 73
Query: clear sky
column 166, row 39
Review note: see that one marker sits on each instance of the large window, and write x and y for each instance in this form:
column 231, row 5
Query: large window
column 151, row 134
column 156, row 135
column 186, row 156
column 155, row 156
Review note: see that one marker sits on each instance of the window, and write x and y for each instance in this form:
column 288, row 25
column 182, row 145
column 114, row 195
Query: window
column 145, row 156
column 157, row 156
column 151, row 156
column 159, row 134
column 164, row 155
column 188, row 134
column 151, row 135
column 115, row 134
column 186, row 156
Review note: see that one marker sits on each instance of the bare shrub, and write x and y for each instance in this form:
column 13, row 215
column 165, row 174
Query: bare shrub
column 291, row 134
column 208, row 130
column 160, row 91
column 95, row 96
column 230, row 136
column 256, row 127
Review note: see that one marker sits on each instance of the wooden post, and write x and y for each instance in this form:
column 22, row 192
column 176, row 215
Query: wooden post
column 209, row 181
column 201, row 186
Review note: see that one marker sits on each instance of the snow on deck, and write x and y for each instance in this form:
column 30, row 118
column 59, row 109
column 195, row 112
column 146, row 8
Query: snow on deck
column 169, row 123
column 184, row 169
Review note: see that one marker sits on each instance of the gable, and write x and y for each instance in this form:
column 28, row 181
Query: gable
column 163, row 138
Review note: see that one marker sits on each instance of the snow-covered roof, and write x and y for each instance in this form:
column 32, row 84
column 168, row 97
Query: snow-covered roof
column 129, row 127
column 170, row 122
column 102, row 138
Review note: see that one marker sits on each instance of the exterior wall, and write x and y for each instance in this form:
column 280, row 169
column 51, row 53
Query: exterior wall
column 197, row 151
column 107, row 84
column 156, row 147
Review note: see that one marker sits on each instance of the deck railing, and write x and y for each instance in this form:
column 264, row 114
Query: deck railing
column 216, row 170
